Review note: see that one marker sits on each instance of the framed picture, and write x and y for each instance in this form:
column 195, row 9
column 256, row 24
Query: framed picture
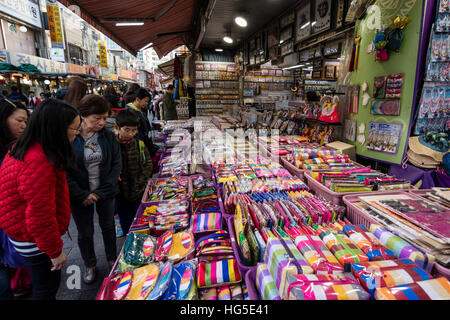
column 330, row 72
column 322, row 14
column 273, row 53
column 287, row 47
column 317, row 69
column 385, row 107
column 273, row 35
column 384, row 137
column 303, row 22
column 287, row 20
column 350, row 130
column 379, row 87
column 332, row 49
column 286, row 34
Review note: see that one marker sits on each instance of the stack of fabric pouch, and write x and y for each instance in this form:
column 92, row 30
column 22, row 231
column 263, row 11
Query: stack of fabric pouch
column 403, row 249
column 265, row 284
column 283, row 258
column 389, row 273
column 433, row 289
column 368, row 243
column 315, row 252
column 343, row 249
column 139, row 248
column 116, row 286
column 323, row 287
column 228, row 292
column 216, row 263
column 182, row 282
column 206, row 214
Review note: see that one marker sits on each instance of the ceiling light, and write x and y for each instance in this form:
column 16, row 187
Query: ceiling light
column 23, row 29
column 47, row 81
column 126, row 24
column 294, row 67
column 313, row 23
column 241, row 22
column 305, row 25
column 227, row 39
column 219, row 50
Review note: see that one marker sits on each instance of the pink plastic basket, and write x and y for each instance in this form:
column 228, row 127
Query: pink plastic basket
column 250, row 282
column 438, row 271
column 356, row 215
column 242, row 267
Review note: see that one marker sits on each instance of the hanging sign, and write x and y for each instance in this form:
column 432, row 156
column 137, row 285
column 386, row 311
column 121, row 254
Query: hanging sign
column 54, row 24
column 103, row 54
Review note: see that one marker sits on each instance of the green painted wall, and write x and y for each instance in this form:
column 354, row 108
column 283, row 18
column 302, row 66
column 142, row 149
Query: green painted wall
column 403, row 62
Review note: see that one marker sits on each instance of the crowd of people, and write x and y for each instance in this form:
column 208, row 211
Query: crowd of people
column 73, row 156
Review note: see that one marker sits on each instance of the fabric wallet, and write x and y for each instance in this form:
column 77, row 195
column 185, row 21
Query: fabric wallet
column 206, row 222
column 217, row 273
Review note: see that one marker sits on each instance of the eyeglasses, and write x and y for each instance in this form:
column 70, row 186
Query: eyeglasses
column 76, row 129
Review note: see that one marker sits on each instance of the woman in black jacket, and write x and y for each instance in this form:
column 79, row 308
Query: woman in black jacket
column 94, row 184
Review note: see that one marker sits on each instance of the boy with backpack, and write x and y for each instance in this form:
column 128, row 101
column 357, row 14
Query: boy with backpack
column 137, row 167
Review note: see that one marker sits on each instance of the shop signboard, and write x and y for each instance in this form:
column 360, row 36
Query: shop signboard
column 45, row 65
column 75, row 68
column 57, row 54
column 25, row 10
column 92, row 71
column 102, row 53
column 54, row 24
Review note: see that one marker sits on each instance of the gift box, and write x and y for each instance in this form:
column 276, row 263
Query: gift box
column 368, row 243
column 264, row 283
column 342, row 248
column 282, row 258
column 324, row 287
column 388, row 273
column 433, row 289
column 403, row 249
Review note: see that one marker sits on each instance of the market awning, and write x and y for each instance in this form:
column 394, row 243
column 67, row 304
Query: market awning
column 167, row 23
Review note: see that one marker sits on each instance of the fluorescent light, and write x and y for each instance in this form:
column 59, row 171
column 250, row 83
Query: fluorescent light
column 126, row 24
column 305, row 25
column 294, row 67
column 147, row 46
column 219, row 50
column 23, row 29
column 313, row 23
column 227, row 39
column 241, row 22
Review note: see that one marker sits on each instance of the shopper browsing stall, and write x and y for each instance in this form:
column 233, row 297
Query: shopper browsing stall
column 13, row 121
column 136, row 168
column 169, row 106
column 94, row 184
column 76, row 90
column 34, row 196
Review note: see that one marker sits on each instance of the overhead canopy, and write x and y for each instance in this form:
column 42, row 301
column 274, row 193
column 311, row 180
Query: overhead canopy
column 167, row 23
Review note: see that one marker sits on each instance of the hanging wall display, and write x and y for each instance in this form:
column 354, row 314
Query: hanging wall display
column 303, row 22
column 287, row 47
column 350, row 130
column 322, row 14
column 386, row 107
column 287, row 20
column 273, row 34
column 394, row 84
column 379, row 87
column 384, row 137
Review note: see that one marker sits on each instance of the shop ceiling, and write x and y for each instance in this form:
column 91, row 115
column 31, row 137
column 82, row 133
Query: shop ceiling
column 167, row 23
column 258, row 13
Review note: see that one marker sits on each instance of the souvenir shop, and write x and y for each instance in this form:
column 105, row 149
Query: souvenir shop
column 315, row 167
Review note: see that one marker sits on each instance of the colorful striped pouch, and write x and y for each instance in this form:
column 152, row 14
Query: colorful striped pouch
column 264, row 283
column 317, row 255
column 368, row 243
column 342, row 248
column 223, row 293
column 324, row 287
column 403, row 249
column 206, row 222
column 388, row 273
column 217, row 273
column 433, row 289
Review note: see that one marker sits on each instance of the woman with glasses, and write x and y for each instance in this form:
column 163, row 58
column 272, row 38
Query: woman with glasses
column 34, row 196
column 94, row 184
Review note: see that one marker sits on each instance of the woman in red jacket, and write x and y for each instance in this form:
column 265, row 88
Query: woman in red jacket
column 34, row 196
